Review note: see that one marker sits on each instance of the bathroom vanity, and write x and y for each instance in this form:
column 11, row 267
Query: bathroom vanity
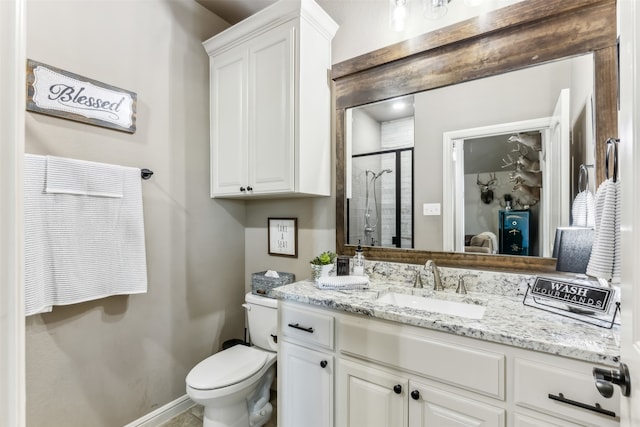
column 360, row 358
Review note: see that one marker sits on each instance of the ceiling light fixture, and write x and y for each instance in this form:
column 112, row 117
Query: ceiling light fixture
column 432, row 9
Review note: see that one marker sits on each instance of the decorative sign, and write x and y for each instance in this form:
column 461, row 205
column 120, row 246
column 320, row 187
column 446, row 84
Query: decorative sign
column 63, row 94
column 578, row 295
column 283, row 236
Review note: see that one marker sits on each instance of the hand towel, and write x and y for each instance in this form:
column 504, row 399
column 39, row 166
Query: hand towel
column 604, row 262
column 70, row 176
column 583, row 210
column 80, row 247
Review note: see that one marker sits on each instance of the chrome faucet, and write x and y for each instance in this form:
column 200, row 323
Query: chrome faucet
column 417, row 283
column 437, row 282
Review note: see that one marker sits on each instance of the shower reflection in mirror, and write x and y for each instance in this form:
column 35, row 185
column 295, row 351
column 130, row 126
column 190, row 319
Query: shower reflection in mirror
column 380, row 174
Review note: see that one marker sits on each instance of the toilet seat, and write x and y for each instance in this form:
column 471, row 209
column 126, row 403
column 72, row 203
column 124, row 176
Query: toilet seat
column 226, row 368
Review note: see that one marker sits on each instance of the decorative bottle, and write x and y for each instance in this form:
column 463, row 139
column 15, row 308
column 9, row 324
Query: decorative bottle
column 358, row 262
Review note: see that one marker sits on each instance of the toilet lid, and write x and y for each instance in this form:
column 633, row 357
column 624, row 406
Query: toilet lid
column 227, row 367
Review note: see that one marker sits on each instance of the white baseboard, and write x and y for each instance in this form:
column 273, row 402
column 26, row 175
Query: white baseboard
column 164, row 413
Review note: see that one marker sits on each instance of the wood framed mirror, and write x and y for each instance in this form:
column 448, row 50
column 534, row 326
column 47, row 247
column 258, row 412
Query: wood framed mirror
column 519, row 36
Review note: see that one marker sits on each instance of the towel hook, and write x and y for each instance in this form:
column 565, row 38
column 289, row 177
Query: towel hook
column 612, row 142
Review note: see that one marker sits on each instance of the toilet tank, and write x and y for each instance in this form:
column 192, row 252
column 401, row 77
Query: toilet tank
column 262, row 317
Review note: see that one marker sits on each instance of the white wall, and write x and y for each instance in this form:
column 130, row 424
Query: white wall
column 364, row 25
column 111, row 361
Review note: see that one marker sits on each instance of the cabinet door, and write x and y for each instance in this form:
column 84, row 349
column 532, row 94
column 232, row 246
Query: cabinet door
column 432, row 407
column 520, row 420
column 271, row 121
column 371, row 398
column 228, row 98
column 306, row 392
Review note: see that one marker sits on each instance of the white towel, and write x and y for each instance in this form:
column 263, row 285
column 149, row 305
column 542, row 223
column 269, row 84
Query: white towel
column 604, row 262
column 78, row 247
column 583, row 210
column 342, row 282
column 70, row 176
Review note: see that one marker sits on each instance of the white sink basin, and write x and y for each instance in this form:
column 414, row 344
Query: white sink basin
column 452, row 308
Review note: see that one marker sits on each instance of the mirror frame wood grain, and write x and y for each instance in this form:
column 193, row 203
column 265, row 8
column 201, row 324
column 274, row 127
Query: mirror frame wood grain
column 521, row 35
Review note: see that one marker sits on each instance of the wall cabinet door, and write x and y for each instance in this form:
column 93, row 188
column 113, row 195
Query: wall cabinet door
column 252, row 116
column 372, row 398
column 228, row 99
column 306, row 392
column 271, row 107
column 430, row 406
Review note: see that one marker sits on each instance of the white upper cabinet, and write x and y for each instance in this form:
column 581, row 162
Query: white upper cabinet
column 271, row 103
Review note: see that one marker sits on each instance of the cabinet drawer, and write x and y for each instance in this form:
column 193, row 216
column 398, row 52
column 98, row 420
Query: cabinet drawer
column 535, row 381
column 476, row 370
column 306, row 326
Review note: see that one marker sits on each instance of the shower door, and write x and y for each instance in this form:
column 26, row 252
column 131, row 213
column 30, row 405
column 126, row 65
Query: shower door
column 380, row 210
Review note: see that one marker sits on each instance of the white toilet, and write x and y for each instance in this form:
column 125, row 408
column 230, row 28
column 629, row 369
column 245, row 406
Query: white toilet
column 234, row 384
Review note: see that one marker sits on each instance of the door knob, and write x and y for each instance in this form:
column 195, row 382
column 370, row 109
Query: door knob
column 605, row 378
column 415, row 395
column 249, row 188
column 397, row 389
column 242, row 189
column 323, row 364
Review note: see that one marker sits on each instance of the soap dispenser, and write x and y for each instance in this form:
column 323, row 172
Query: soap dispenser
column 358, row 262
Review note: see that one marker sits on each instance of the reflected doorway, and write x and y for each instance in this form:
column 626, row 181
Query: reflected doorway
column 551, row 136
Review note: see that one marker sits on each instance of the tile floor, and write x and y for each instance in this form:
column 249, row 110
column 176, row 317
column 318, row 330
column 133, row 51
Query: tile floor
column 193, row 416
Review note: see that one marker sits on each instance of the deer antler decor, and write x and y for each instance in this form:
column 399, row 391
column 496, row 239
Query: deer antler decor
column 486, row 189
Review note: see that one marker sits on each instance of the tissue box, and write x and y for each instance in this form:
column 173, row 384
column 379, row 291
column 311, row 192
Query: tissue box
column 262, row 285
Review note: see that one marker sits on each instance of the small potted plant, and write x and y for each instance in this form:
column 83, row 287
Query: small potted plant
column 322, row 264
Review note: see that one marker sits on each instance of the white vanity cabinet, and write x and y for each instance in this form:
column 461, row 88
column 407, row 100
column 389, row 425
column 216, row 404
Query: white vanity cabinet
column 270, row 109
column 393, row 374
column 306, row 366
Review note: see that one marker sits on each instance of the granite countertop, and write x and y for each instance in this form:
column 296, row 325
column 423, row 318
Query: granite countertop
column 506, row 319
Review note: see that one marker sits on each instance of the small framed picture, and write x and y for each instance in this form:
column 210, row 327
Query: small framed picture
column 283, row 237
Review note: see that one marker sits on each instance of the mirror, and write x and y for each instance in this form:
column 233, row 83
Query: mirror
column 546, row 101
column 514, row 38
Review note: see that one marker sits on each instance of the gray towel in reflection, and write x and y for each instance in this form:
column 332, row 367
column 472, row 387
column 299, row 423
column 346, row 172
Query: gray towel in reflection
column 572, row 248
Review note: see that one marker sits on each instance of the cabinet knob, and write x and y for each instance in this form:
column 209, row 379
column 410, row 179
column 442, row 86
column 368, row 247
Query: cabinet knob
column 243, row 189
column 415, row 395
column 397, row 389
column 323, row 364
column 249, row 188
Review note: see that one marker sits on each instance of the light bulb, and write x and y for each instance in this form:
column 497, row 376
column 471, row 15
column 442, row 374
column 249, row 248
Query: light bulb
column 398, row 14
column 435, row 9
